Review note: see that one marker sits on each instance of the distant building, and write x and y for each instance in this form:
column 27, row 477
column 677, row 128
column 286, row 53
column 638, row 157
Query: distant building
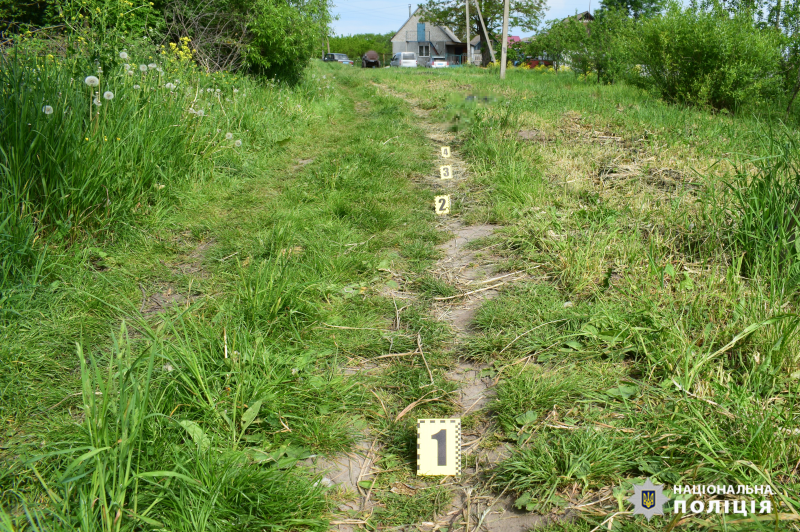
column 426, row 40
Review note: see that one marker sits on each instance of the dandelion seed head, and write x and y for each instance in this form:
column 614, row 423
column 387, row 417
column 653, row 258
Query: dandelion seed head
column 108, row 95
column 123, row 55
column 137, row 87
column 209, row 89
column 228, row 136
column 217, row 90
column 47, row 110
column 97, row 102
column 200, row 113
column 236, row 91
column 237, row 143
column 142, row 68
column 92, row 81
column 170, row 86
column 129, row 72
column 152, row 66
column 160, row 70
column 127, row 66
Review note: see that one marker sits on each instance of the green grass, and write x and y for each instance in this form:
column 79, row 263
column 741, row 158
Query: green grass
column 655, row 336
column 267, row 273
column 658, row 337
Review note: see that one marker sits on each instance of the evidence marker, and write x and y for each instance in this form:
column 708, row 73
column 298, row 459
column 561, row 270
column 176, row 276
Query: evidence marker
column 446, row 152
column 441, row 204
column 446, row 172
column 439, row 447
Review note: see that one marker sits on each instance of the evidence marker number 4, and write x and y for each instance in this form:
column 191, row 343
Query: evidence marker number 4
column 446, row 151
column 439, row 447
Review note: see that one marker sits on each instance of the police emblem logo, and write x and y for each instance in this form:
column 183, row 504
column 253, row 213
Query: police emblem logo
column 648, row 499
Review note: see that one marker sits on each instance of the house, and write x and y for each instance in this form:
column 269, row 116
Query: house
column 426, row 40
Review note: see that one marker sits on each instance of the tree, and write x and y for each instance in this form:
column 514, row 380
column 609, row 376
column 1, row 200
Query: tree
column 634, row 8
column 525, row 14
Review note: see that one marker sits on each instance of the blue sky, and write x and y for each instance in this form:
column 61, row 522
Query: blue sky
column 383, row 16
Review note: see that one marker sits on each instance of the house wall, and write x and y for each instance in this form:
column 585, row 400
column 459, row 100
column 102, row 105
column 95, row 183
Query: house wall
column 406, row 39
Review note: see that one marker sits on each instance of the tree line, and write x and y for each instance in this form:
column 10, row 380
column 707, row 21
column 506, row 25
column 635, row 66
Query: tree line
column 273, row 38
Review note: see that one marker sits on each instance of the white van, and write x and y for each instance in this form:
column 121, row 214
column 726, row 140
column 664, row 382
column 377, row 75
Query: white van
column 404, row 59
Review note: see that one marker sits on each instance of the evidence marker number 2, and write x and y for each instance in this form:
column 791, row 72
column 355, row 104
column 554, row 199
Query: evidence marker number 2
column 439, row 447
column 442, row 204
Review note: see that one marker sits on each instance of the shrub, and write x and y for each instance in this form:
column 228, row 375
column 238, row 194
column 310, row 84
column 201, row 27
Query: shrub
column 282, row 40
column 708, row 58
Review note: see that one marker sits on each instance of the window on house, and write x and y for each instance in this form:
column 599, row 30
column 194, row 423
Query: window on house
column 424, row 50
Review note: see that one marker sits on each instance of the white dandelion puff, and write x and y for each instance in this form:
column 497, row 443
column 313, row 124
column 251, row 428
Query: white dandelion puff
column 123, row 55
column 152, row 66
column 92, row 81
column 324, row 77
column 228, row 136
column 237, row 143
column 108, row 95
column 236, row 91
column 97, row 102
column 200, row 113
column 48, row 110
column 209, row 89
column 160, row 70
column 127, row 66
column 129, row 72
column 137, row 87
column 170, row 86
column 216, row 90
column 142, row 68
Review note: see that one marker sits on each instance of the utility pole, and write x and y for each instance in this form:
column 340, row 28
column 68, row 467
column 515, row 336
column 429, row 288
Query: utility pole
column 469, row 47
column 485, row 33
column 504, row 53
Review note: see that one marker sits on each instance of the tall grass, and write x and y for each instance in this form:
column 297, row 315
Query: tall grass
column 761, row 211
column 81, row 148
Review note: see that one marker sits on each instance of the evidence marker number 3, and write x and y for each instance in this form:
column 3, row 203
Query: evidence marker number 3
column 446, row 171
column 439, row 447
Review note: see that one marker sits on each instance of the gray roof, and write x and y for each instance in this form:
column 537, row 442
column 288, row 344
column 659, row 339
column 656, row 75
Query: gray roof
column 450, row 34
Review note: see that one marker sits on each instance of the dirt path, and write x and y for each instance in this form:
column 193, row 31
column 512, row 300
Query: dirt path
column 472, row 272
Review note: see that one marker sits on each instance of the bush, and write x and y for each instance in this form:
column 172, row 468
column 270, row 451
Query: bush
column 708, row 58
column 282, row 40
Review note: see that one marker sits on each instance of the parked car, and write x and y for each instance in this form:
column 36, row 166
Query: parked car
column 437, row 62
column 404, row 59
column 341, row 58
column 370, row 60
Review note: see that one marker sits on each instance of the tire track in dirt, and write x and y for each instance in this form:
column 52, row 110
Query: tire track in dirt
column 472, row 273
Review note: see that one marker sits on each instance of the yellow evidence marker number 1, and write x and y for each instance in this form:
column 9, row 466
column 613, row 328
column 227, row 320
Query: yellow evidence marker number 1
column 445, row 151
column 441, row 204
column 438, row 447
column 446, row 171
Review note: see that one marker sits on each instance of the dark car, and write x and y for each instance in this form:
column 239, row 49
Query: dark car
column 340, row 58
column 370, row 60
